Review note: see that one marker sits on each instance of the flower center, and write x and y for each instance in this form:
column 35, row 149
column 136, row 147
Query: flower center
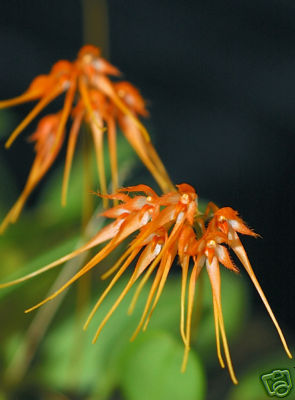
column 211, row 244
column 185, row 198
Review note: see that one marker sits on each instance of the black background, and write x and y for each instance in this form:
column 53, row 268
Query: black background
column 219, row 77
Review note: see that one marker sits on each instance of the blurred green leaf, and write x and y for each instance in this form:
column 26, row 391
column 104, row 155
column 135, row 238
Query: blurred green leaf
column 7, row 122
column 38, row 262
column 250, row 385
column 151, row 370
column 99, row 364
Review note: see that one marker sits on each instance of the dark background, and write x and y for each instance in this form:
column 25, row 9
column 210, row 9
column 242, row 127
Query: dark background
column 219, row 77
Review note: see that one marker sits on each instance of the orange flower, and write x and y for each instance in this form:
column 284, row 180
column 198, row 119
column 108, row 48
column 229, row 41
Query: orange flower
column 222, row 228
column 226, row 220
column 162, row 221
column 92, row 97
column 168, row 226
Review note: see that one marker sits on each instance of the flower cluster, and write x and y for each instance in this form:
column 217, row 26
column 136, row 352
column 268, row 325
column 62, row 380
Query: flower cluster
column 161, row 229
column 90, row 97
column 169, row 226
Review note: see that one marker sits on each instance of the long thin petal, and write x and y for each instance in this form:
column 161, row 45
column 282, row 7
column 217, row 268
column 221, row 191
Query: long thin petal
column 159, row 165
column 146, row 277
column 153, row 289
column 116, row 304
column 97, row 134
column 217, row 334
column 73, row 136
column 144, row 234
column 104, row 234
column 16, row 209
column 94, row 261
column 105, row 85
column 239, row 250
column 159, row 274
column 37, row 89
column 214, row 276
column 109, row 287
column 69, row 98
column 167, row 266
column 191, row 295
column 128, row 286
column 23, row 98
column 142, row 148
column 87, row 103
column 114, row 268
column 111, row 131
column 33, row 113
column 184, row 267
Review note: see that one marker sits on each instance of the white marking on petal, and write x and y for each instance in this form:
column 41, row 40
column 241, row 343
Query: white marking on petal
column 220, row 252
column 180, row 217
column 122, row 211
column 234, row 224
column 145, row 219
column 158, row 248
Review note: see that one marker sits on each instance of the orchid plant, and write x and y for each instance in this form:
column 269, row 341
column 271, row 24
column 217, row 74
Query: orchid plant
column 164, row 231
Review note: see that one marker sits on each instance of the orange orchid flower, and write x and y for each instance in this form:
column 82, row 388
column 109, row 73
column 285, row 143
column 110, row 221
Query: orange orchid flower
column 226, row 220
column 209, row 251
column 92, row 97
column 168, row 226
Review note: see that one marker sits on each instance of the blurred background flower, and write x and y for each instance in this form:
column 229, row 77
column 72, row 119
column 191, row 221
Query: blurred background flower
column 219, row 80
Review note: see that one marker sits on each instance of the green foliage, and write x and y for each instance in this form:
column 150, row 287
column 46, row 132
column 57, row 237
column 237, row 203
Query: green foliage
column 38, row 262
column 250, row 385
column 103, row 362
column 151, row 370
column 68, row 361
column 7, row 122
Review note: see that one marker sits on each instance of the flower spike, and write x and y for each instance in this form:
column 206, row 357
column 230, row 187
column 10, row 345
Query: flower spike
column 167, row 226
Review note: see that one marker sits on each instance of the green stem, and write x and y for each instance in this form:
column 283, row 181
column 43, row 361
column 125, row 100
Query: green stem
column 96, row 24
